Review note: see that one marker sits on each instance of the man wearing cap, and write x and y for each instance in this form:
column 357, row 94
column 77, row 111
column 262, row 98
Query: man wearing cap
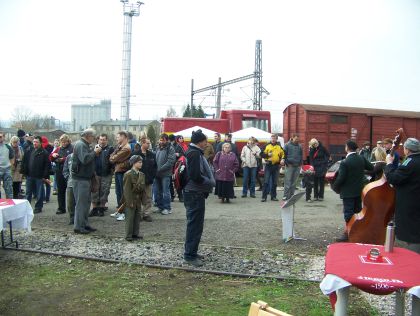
column 406, row 181
column 197, row 189
column 82, row 172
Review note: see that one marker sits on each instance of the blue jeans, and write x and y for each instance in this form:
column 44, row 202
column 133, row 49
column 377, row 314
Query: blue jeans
column 163, row 194
column 119, row 187
column 271, row 175
column 47, row 192
column 34, row 185
column 249, row 172
column 6, row 177
column 195, row 205
column 351, row 206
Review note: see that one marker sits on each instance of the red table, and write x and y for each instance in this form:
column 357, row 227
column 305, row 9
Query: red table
column 347, row 264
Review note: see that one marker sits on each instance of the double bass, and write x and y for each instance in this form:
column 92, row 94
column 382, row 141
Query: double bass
column 369, row 225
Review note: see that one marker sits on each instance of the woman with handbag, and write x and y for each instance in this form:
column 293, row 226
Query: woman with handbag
column 249, row 156
column 318, row 158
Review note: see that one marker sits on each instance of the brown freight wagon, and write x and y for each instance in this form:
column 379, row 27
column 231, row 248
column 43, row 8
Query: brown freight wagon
column 334, row 125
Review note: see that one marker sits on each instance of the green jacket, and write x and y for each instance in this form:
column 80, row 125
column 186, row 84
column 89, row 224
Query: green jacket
column 133, row 186
column 350, row 179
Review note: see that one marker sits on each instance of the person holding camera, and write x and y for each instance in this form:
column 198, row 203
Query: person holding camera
column 249, row 155
column 82, row 173
column 103, row 171
column 273, row 154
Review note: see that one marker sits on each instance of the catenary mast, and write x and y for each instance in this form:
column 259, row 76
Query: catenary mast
column 130, row 9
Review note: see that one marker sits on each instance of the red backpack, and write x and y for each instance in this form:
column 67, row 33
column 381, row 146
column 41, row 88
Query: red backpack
column 180, row 174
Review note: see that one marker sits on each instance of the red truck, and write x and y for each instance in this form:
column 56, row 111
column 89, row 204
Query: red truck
column 230, row 121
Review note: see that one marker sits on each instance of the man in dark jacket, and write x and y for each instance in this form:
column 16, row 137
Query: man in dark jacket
column 350, row 181
column 103, row 171
column 29, row 138
column 36, row 167
column 406, row 181
column 83, row 170
column 165, row 160
column 149, row 168
column 228, row 139
column 197, row 189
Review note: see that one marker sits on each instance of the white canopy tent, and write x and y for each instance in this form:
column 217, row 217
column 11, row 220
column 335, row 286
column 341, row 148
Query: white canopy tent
column 244, row 134
column 186, row 133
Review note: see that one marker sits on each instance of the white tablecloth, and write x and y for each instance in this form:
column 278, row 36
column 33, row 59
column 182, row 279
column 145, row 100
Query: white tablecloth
column 331, row 283
column 20, row 214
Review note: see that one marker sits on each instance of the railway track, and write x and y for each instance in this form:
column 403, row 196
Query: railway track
column 159, row 254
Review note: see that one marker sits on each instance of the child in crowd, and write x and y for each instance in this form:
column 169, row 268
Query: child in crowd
column 308, row 180
column 134, row 183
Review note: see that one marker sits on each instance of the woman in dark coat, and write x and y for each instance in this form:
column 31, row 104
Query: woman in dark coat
column 225, row 165
column 318, row 158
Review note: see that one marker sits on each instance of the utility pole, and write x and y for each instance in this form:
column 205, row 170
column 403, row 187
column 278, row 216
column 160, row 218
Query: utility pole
column 258, row 89
column 130, row 9
column 219, row 98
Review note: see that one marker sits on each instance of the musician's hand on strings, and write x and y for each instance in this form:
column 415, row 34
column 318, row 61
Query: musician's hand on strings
column 389, row 159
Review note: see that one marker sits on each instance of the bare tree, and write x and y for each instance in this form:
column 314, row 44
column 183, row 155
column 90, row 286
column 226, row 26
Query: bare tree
column 276, row 128
column 171, row 112
column 22, row 118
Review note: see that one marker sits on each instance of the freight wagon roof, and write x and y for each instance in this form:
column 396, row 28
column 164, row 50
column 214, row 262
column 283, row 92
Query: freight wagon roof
column 368, row 111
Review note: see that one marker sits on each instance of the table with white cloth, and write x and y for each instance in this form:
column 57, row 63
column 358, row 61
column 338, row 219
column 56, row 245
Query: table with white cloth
column 15, row 214
column 352, row 264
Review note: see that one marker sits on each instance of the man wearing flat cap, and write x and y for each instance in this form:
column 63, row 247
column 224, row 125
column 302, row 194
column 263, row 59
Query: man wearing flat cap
column 82, row 172
column 406, row 181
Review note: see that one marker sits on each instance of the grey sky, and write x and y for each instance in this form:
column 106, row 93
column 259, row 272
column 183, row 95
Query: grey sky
column 351, row 53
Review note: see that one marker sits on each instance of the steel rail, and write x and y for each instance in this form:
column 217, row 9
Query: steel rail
column 164, row 267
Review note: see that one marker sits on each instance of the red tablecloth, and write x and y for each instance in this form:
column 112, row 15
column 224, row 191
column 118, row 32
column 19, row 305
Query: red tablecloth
column 399, row 269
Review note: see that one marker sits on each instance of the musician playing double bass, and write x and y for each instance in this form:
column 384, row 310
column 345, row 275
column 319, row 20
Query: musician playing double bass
column 406, row 181
column 350, row 182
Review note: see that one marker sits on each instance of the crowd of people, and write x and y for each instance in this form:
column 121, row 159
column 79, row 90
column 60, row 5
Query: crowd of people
column 143, row 177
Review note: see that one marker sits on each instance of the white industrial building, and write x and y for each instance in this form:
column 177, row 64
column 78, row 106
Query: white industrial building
column 83, row 115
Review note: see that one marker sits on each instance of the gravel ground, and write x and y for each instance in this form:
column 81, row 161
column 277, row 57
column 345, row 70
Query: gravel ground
column 242, row 237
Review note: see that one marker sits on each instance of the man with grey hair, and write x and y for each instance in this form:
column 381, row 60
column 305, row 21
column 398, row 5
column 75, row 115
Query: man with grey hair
column 6, row 155
column 406, row 181
column 83, row 170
